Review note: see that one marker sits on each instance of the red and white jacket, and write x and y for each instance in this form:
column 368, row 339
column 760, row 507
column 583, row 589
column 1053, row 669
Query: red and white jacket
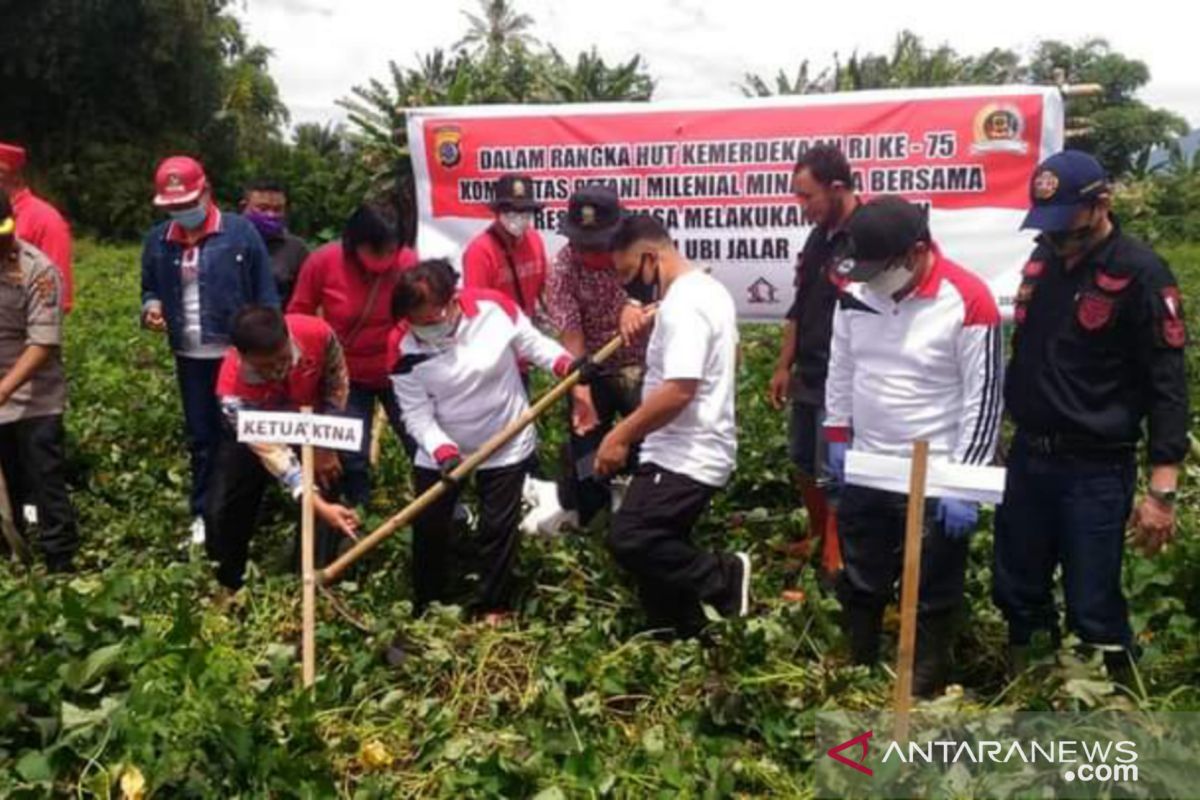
column 925, row 367
column 459, row 395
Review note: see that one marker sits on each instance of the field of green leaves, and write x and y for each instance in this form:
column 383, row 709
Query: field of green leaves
column 126, row 674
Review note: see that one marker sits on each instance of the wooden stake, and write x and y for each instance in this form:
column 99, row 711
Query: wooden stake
column 469, row 465
column 380, row 422
column 8, row 526
column 910, row 587
column 308, row 648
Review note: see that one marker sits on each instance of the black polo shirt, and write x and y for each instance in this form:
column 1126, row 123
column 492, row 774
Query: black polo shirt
column 1098, row 348
column 812, row 311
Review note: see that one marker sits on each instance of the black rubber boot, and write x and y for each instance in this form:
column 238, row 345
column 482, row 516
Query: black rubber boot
column 935, row 636
column 1119, row 666
column 862, row 625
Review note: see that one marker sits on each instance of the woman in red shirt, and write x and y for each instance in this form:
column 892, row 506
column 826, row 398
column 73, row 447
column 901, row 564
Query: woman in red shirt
column 350, row 284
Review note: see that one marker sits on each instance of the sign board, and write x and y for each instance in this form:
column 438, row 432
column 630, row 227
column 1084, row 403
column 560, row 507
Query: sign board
column 944, row 479
column 276, row 427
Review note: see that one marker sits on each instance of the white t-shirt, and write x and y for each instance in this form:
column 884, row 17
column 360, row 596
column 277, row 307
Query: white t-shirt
column 189, row 274
column 695, row 337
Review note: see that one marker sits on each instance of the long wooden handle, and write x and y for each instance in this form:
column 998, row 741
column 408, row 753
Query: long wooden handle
column 910, row 587
column 489, row 448
column 8, row 526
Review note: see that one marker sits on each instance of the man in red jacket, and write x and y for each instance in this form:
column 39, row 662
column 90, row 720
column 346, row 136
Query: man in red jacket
column 38, row 222
column 510, row 256
column 277, row 363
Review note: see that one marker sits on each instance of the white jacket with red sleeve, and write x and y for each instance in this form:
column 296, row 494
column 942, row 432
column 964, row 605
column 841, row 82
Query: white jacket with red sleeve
column 461, row 394
column 925, row 367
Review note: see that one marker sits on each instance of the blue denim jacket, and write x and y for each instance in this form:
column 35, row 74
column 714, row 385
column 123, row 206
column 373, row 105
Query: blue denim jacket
column 235, row 271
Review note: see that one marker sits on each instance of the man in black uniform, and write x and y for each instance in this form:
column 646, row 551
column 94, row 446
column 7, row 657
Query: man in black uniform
column 1098, row 348
column 824, row 187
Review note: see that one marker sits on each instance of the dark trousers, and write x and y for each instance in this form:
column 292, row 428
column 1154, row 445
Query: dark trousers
column 34, row 462
column 871, row 524
column 1071, row 512
column 201, row 420
column 613, row 394
column 651, row 537
column 496, row 545
column 356, row 467
column 239, row 480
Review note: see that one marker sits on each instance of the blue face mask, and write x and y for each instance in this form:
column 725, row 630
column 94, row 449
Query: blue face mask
column 191, row 218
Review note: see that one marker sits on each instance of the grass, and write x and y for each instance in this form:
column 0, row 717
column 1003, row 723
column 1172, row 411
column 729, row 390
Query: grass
column 128, row 666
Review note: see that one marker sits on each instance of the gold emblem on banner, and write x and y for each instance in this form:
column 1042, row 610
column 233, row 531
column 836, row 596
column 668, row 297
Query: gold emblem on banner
column 999, row 129
column 447, row 143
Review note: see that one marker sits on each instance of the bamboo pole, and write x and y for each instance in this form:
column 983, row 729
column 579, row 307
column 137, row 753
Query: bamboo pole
column 910, row 587
column 414, row 509
column 8, row 526
column 308, row 654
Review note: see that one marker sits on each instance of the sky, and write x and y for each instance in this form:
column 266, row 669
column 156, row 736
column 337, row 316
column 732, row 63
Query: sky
column 698, row 50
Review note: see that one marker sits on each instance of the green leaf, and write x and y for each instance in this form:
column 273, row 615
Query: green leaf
column 35, row 767
column 94, row 667
column 553, row 793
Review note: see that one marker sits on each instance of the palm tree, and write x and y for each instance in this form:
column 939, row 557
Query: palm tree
column 498, row 29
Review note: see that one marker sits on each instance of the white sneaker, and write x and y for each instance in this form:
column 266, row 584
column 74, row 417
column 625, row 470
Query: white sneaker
column 197, row 531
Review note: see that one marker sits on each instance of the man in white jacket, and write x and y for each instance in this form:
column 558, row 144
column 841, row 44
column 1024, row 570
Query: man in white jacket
column 916, row 355
column 457, row 379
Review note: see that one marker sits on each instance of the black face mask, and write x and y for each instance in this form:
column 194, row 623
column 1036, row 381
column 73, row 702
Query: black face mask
column 638, row 289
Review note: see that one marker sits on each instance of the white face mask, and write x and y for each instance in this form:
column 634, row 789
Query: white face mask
column 890, row 281
column 439, row 334
column 516, row 222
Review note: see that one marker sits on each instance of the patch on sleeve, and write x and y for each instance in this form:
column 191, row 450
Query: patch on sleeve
column 1174, row 331
column 45, row 288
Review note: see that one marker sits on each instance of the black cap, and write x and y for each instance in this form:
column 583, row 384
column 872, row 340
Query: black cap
column 878, row 233
column 515, row 193
column 593, row 214
column 1062, row 186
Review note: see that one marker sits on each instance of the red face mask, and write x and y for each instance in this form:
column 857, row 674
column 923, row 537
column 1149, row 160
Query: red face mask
column 376, row 264
column 596, row 260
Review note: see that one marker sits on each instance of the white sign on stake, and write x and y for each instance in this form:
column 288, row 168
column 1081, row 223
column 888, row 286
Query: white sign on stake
column 944, row 479
column 318, row 430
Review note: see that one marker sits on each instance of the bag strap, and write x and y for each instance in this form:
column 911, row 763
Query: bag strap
column 361, row 322
column 512, row 268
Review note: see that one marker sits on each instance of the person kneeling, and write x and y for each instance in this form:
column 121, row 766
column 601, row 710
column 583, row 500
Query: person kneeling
column 277, row 363
column 457, row 379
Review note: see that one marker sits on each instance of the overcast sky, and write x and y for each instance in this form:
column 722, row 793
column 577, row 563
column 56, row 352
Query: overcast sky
column 700, row 49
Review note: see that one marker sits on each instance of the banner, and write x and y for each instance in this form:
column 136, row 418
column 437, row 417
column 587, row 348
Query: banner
column 719, row 175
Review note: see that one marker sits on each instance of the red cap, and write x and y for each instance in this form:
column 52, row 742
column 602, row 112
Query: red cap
column 12, row 155
column 179, row 179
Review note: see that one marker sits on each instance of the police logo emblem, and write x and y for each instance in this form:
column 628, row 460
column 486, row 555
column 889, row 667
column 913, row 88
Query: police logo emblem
column 999, row 129
column 518, row 188
column 1045, row 185
column 447, row 144
column 587, row 216
column 174, row 181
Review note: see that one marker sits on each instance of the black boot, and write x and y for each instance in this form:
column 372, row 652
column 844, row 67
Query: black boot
column 935, row 636
column 862, row 625
column 1119, row 666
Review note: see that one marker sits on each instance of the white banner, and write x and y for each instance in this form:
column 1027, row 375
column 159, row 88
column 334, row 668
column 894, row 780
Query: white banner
column 719, row 174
